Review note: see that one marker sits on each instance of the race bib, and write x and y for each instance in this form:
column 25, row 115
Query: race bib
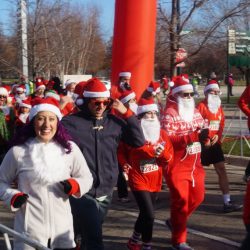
column 214, row 125
column 147, row 166
column 194, row 148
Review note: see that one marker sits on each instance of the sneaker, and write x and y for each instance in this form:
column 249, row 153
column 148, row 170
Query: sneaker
column 133, row 246
column 182, row 246
column 169, row 224
column 124, row 200
column 231, row 207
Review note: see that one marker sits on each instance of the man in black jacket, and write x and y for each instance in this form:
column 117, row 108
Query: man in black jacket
column 98, row 133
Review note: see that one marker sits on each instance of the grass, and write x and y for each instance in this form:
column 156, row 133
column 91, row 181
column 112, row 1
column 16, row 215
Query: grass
column 228, row 144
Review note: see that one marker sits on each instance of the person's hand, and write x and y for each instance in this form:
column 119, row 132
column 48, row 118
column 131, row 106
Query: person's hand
column 70, row 186
column 126, row 167
column 159, row 149
column 118, row 105
column 19, row 199
column 214, row 139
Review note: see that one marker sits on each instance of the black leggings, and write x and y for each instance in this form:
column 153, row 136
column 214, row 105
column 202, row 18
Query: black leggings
column 144, row 223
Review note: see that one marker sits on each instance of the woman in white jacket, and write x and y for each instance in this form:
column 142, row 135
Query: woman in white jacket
column 48, row 168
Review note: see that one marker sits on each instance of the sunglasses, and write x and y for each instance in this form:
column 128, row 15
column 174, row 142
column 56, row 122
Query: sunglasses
column 98, row 103
column 187, row 94
column 3, row 96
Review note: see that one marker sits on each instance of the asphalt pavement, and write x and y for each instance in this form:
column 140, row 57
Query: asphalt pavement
column 209, row 227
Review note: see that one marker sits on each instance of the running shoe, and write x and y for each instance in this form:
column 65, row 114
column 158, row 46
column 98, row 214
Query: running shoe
column 182, row 246
column 231, row 207
column 133, row 246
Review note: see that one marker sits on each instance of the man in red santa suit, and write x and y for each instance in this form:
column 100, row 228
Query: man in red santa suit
column 185, row 176
column 23, row 114
column 212, row 112
column 145, row 168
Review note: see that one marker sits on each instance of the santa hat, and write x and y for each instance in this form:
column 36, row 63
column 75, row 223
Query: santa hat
column 127, row 95
column 78, row 92
column 53, row 94
column 125, row 74
column 25, row 103
column 20, row 88
column 4, row 91
column 68, row 82
column 213, row 75
column 212, row 84
column 39, row 84
column 95, row 88
column 47, row 104
column 146, row 105
column 181, row 83
column 154, row 88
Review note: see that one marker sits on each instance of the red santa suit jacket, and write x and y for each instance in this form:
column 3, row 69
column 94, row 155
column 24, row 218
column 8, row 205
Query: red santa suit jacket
column 244, row 103
column 146, row 171
column 215, row 122
column 184, row 137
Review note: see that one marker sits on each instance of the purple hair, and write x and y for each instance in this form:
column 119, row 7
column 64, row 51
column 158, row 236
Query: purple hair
column 61, row 136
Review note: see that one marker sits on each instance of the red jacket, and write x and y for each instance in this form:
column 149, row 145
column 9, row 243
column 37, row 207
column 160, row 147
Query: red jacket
column 215, row 122
column 146, row 172
column 244, row 103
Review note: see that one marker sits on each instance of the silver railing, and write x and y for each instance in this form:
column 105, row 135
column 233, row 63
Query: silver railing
column 8, row 231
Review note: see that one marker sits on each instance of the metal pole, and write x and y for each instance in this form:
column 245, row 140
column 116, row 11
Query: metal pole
column 23, row 17
column 178, row 30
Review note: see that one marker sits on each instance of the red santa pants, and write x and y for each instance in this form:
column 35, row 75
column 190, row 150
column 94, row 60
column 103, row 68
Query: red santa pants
column 186, row 195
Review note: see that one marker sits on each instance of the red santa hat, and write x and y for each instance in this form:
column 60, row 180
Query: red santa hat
column 212, row 84
column 125, row 74
column 53, row 94
column 126, row 96
column 95, row 88
column 181, row 83
column 39, row 84
column 20, row 88
column 25, row 103
column 4, row 91
column 146, row 105
column 47, row 104
column 78, row 91
column 68, row 82
column 154, row 88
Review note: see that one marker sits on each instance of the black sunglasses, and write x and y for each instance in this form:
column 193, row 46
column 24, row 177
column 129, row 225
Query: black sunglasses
column 188, row 94
column 3, row 96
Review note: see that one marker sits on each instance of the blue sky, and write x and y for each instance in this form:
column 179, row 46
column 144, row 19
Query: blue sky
column 106, row 8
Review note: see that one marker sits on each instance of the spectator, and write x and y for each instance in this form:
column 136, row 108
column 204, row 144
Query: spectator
column 185, row 177
column 98, row 133
column 48, row 168
column 230, row 82
column 145, row 166
column 212, row 112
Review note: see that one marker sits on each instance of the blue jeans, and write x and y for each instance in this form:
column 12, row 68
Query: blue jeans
column 88, row 215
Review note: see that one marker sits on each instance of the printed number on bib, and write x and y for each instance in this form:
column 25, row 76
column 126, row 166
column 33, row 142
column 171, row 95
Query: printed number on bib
column 214, row 125
column 147, row 166
column 194, row 148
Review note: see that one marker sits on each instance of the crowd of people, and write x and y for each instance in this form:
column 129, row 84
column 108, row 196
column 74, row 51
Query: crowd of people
column 63, row 150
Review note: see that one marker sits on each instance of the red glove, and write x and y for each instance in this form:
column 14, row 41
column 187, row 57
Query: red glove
column 70, row 186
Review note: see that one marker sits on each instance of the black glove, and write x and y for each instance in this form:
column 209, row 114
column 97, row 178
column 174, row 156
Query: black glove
column 203, row 136
column 66, row 186
column 19, row 200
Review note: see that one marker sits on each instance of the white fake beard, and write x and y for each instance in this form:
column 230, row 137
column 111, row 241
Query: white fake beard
column 186, row 108
column 151, row 129
column 133, row 106
column 47, row 161
column 213, row 103
column 23, row 117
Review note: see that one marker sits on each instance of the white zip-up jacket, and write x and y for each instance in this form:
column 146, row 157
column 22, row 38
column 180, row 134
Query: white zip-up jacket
column 38, row 169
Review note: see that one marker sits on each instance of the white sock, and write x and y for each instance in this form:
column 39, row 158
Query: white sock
column 226, row 198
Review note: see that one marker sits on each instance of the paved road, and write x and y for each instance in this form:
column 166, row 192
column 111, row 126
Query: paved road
column 209, row 227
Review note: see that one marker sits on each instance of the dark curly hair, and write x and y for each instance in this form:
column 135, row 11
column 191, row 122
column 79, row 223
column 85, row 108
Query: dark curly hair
column 61, row 136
